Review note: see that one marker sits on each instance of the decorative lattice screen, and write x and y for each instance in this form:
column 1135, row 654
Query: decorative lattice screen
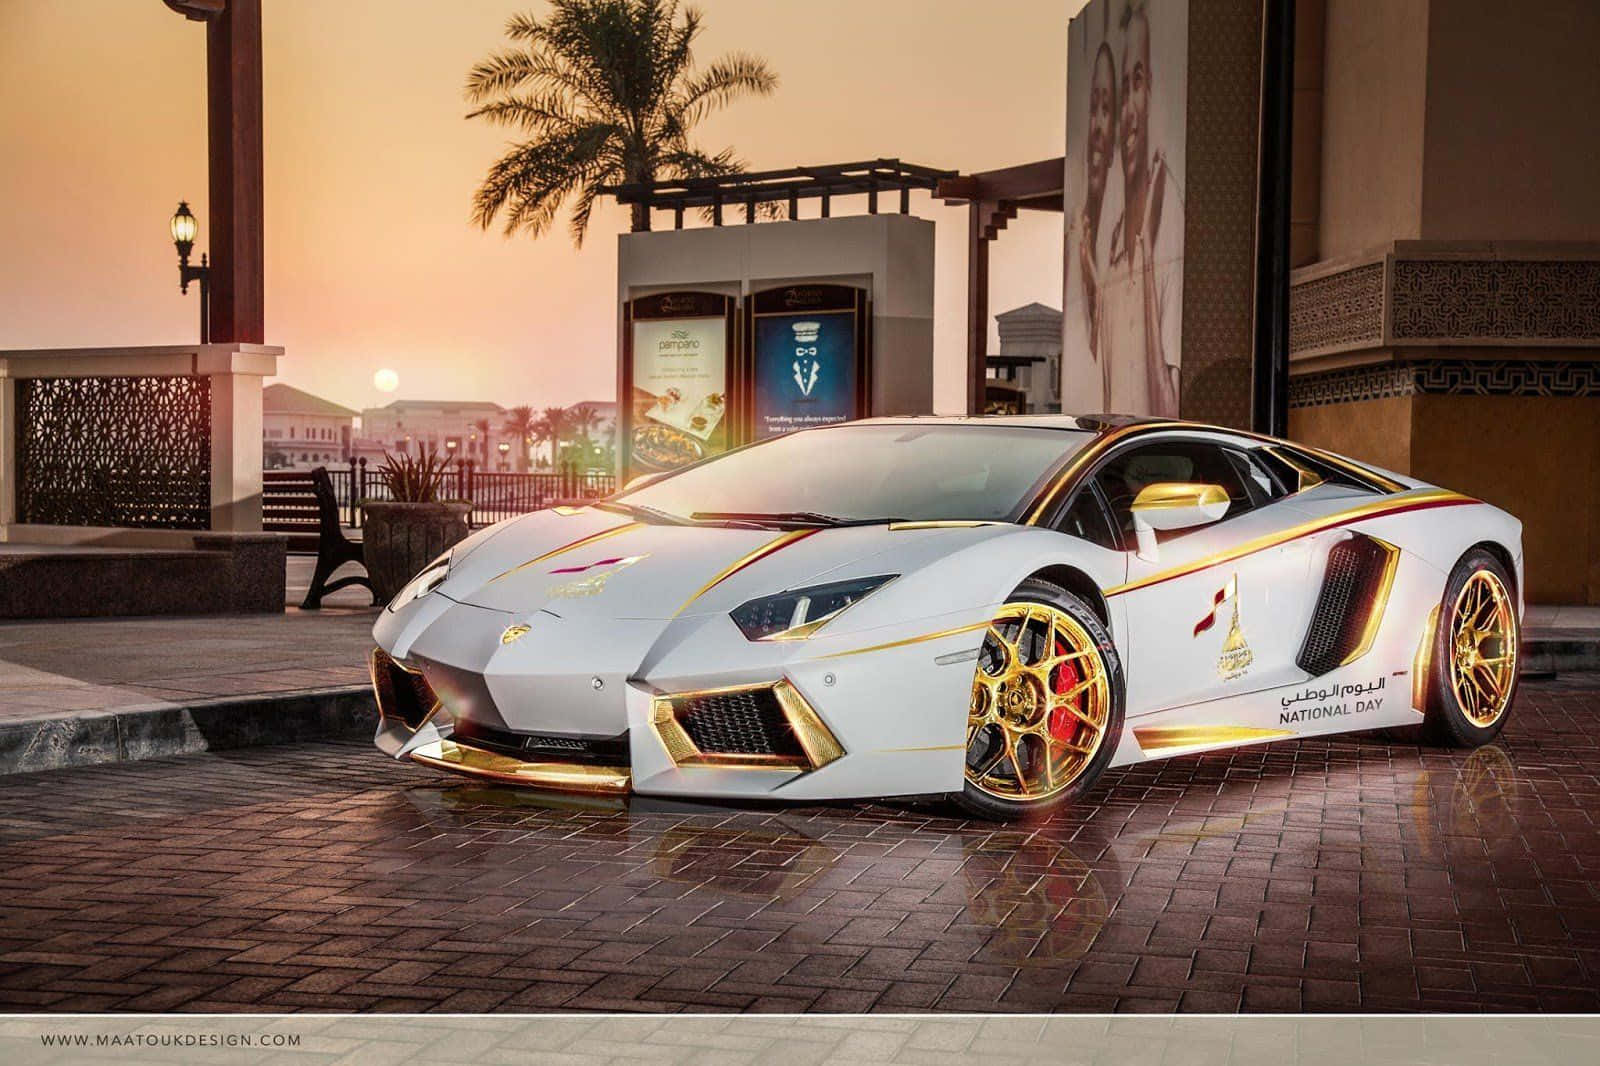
column 114, row 451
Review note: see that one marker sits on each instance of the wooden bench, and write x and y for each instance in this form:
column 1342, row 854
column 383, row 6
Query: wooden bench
column 302, row 504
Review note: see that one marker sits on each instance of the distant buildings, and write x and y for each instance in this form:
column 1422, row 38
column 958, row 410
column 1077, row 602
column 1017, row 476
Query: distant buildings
column 1025, row 378
column 468, row 429
column 302, row 431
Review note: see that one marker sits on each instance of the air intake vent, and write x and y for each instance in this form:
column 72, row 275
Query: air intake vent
column 401, row 693
column 1355, row 590
column 597, row 751
column 747, row 722
column 763, row 725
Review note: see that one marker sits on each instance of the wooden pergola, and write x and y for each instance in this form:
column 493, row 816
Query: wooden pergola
column 993, row 198
column 233, row 135
column 751, row 189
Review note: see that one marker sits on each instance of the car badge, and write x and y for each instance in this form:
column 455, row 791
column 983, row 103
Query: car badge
column 515, row 633
column 1236, row 655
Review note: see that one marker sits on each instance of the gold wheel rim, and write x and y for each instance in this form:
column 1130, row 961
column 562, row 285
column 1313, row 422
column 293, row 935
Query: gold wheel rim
column 1040, row 700
column 1483, row 648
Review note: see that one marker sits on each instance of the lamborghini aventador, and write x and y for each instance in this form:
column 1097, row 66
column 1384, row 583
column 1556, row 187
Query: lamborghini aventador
column 990, row 609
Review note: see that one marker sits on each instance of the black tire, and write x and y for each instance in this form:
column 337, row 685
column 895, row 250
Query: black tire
column 984, row 804
column 1446, row 721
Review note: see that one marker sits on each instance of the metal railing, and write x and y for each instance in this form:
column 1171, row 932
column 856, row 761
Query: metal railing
column 494, row 494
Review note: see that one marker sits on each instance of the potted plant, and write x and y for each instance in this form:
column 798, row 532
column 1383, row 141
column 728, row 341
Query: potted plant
column 408, row 530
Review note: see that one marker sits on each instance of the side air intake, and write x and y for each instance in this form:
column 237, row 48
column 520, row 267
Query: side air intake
column 1355, row 590
column 401, row 692
column 758, row 725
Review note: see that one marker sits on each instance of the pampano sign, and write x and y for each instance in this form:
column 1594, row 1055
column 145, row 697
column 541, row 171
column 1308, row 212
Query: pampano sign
column 676, row 379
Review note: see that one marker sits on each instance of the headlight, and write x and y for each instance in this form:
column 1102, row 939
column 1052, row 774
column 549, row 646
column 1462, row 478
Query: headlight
column 431, row 577
column 797, row 614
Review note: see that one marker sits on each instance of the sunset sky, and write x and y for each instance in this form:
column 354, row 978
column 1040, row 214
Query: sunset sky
column 371, row 259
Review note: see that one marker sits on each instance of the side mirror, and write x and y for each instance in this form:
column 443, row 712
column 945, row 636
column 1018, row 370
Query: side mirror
column 1170, row 505
column 642, row 480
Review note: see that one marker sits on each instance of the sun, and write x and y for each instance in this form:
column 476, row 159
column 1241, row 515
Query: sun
column 386, row 380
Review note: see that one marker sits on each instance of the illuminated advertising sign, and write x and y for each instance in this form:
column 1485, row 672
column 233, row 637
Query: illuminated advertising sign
column 806, row 357
column 676, row 378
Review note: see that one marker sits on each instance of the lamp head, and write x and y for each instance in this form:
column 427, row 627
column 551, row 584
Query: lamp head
column 184, row 226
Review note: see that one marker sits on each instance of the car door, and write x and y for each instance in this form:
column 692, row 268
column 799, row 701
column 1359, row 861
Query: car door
column 1205, row 620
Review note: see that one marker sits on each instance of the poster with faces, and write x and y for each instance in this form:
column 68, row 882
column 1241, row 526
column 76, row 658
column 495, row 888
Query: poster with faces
column 1127, row 90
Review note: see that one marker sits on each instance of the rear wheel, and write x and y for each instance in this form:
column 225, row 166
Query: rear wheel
column 1046, row 707
column 1474, row 667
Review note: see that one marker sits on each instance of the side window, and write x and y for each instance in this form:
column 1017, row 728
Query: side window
column 1263, row 479
column 1123, row 477
column 1087, row 519
column 1303, row 471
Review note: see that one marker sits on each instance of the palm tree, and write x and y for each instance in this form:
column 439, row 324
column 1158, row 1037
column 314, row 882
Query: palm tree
column 482, row 426
column 541, row 435
column 520, row 427
column 584, row 421
column 554, row 424
column 607, row 91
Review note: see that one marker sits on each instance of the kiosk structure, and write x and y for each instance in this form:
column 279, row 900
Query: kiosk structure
column 729, row 335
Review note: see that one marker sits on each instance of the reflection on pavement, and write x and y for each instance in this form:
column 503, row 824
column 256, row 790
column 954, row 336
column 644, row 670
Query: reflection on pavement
column 1010, row 895
column 1338, row 874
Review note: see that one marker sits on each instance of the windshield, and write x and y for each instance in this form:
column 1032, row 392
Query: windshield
column 856, row 473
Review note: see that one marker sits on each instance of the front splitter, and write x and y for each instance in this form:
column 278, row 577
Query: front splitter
column 492, row 766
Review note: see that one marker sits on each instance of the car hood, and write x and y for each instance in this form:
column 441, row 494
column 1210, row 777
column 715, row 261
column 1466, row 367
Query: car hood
column 595, row 563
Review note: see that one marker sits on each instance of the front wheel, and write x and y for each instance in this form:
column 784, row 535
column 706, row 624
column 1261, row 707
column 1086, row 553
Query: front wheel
column 1046, row 709
column 1473, row 675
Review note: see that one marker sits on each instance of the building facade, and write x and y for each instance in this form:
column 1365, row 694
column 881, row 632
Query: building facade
column 300, row 431
column 1025, row 378
column 467, row 429
column 1445, row 316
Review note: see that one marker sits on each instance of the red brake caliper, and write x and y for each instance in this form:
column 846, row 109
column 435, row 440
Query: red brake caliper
column 1063, row 725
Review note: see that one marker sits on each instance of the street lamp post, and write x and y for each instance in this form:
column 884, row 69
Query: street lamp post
column 184, row 226
column 505, row 450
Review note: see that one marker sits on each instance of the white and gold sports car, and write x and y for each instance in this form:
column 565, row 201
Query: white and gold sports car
column 992, row 609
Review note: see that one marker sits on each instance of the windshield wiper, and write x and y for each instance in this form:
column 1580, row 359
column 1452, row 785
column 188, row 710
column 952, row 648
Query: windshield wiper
column 638, row 511
column 788, row 518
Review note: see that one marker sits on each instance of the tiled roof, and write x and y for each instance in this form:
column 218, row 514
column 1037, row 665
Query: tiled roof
column 281, row 399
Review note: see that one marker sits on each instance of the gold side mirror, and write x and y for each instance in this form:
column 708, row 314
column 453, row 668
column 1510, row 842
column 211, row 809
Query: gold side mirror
column 1172, row 505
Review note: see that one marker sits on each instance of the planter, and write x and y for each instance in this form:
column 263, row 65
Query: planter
column 399, row 539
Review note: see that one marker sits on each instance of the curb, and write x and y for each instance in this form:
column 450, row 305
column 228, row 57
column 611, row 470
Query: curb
column 162, row 730
column 1560, row 655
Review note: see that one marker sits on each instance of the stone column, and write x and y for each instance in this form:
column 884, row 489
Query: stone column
column 1305, row 174
column 8, row 445
column 235, row 372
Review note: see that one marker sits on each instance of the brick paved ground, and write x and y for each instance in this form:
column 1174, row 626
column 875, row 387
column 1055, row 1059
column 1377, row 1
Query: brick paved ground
column 61, row 669
column 1322, row 875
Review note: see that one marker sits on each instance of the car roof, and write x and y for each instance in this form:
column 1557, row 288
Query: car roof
column 1092, row 423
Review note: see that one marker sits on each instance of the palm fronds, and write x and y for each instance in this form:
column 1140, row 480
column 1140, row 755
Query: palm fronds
column 607, row 92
